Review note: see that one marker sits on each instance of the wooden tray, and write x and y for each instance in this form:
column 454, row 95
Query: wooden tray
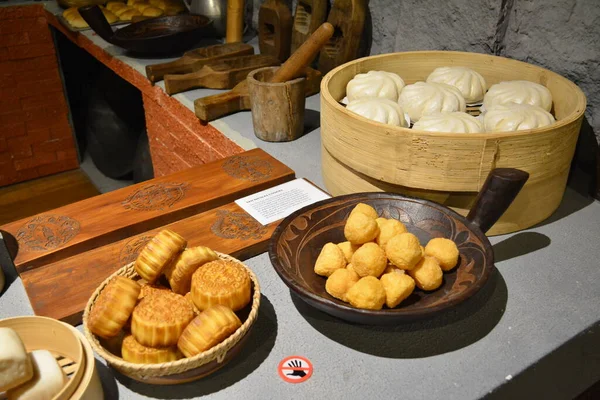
column 70, row 230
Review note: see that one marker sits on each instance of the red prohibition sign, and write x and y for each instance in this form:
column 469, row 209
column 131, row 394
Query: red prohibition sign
column 295, row 369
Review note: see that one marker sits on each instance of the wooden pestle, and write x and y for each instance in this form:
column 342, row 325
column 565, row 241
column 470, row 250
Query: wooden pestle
column 294, row 67
column 235, row 21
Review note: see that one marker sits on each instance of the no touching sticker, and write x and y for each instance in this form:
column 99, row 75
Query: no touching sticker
column 295, row 369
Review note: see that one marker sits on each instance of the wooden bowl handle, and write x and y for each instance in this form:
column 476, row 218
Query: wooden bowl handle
column 97, row 21
column 295, row 65
column 498, row 192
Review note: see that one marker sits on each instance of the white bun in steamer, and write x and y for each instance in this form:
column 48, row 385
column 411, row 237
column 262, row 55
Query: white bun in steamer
column 423, row 98
column 375, row 84
column 516, row 117
column 518, row 92
column 470, row 83
column 379, row 109
column 454, row 122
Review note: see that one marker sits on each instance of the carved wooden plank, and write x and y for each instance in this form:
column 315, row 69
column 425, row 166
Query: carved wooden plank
column 61, row 290
column 88, row 224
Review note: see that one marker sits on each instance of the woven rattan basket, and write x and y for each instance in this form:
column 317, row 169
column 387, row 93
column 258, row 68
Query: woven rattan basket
column 186, row 369
column 445, row 167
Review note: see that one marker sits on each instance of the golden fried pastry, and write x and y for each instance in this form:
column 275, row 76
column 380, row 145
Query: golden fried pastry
column 330, row 259
column 388, row 228
column 69, row 12
column 113, row 307
column 134, row 352
column 152, row 12
column 190, row 299
column 129, row 14
column 404, row 250
column 130, row 3
column 141, row 7
column 110, row 17
column 369, row 260
column 360, row 228
column 162, row 4
column 365, row 209
column 159, row 319
column 77, row 21
column 348, row 249
column 158, row 253
column 173, row 10
column 148, row 289
column 221, row 282
column 120, row 10
column 398, row 286
column 208, row 329
column 114, row 5
column 349, row 267
column 392, row 268
column 340, row 282
column 427, row 274
column 367, row 293
column 444, row 251
column 179, row 272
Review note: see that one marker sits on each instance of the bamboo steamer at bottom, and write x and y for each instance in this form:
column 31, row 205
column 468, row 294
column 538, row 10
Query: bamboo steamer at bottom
column 524, row 212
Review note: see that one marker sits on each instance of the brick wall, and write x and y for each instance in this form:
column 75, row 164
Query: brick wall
column 35, row 136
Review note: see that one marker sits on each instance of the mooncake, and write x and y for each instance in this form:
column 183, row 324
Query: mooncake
column 158, row 253
column 113, row 307
column 179, row 273
column 133, row 351
column 221, row 282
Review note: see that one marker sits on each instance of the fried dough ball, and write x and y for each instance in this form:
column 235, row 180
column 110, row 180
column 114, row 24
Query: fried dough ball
column 427, row 274
column 369, row 260
column 360, row 228
column 397, row 287
column 392, row 268
column 404, row 250
column 340, row 282
column 330, row 259
column 388, row 228
column 367, row 293
column 365, row 209
column 349, row 267
column 348, row 249
column 444, row 251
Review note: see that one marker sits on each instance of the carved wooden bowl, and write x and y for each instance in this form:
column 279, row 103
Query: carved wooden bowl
column 298, row 240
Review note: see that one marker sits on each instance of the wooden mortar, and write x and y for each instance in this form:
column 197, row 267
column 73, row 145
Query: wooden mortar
column 277, row 108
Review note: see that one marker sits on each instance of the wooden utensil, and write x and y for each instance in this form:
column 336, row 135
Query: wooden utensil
column 275, row 29
column 235, row 21
column 194, row 60
column 212, row 107
column 110, row 217
column 348, row 18
column 310, row 14
column 222, row 74
column 295, row 247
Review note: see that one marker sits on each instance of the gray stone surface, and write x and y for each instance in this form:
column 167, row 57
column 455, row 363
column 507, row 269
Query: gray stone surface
column 563, row 36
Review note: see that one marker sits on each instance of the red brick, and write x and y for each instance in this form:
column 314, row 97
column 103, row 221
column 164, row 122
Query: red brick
column 56, row 167
column 40, row 36
column 20, row 144
column 12, row 118
column 4, row 146
column 29, row 64
column 9, row 94
column 45, row 121
column 65, row 154
column 4, row 55
column 10, row 177
column 22, row 25
column 25, row 89
column 31, row 102
column 7, row 106
column 30, row 50
column 40, row 135
column 32, row 162
column 14, row 130
column 61, row 131
column 14, row 39
column 8, row 80
column 53, row 145
column 6, row 67
column 38, row 75
column 27, row 11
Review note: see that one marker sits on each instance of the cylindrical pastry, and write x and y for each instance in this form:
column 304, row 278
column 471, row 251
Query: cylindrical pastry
column 133, row 351
column 208, row 329
column 159, row 319
column 113, row 307
column 158, row 253
column 179, row 273
column 221, row 282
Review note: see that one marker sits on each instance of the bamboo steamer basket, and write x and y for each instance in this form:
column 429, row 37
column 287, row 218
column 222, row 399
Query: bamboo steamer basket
column 186, row 369
column 42, row 333
column 90, row 387
column 446, row 167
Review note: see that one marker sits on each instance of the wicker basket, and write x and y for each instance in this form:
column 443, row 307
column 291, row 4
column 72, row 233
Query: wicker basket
column 63, row 343
column 445, row 167
column 186, row 369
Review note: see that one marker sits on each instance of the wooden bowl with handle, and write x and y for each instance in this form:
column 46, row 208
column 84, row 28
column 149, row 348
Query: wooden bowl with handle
column 298, row 240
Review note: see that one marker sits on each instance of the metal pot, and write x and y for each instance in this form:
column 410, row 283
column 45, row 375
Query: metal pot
column 213, row 9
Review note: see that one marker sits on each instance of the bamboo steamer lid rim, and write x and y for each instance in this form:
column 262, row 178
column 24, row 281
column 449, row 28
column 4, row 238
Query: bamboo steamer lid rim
column 574, row 116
